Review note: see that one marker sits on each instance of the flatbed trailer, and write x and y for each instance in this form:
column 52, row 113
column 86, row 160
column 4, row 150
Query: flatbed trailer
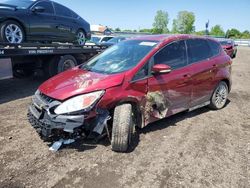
column 18, row 60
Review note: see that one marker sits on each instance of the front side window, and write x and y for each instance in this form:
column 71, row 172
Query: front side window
column 173, row 55
column 47, row 6
column 142, row 73
column 62, row 11
column 198, row 50
column 121, row 57
column 105, row 39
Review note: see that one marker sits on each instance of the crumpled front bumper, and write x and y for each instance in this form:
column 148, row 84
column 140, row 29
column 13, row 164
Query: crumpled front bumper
column 43, row 119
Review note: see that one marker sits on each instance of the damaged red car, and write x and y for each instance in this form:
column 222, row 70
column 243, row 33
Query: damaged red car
column 132, row 84
column 229, row 47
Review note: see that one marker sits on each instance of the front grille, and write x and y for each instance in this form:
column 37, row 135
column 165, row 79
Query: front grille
column 46, row 98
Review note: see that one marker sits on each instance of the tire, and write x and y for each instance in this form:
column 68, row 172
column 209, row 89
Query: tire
column 219, row 97
column 80, row 37
column 123, row 127
column 59, row 64
column 11, row 26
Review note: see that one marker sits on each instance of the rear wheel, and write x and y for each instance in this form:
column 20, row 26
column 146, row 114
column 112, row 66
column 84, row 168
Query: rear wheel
column 59, row 64
column 81, row 37
column 219, row 97
column 123, row 128
column 12, row 32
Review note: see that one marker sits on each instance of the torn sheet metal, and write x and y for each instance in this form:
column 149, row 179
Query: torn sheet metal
column 156, row 106
column 101, row 121
column 58, row 144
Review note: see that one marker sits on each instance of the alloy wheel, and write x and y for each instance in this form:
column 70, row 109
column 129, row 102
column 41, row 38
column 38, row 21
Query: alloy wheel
column 220, row 96
column 81, row 38
column 13, row 34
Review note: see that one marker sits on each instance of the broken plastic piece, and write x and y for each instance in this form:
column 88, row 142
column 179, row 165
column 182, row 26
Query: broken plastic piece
column 57, row 145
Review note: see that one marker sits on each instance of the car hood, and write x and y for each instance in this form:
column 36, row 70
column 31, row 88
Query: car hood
column 77, row 81
column 7, row 7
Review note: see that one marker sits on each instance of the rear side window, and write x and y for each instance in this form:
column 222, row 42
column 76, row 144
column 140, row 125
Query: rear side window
column 198, row 50
column 47, row 6
column 215, row 47
column 62, row 11
column 173, row 55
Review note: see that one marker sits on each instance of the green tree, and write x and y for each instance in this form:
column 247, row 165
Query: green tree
column 117, row 29
column 184, row 23
column 200, row 32
column 233, row 33
column 161, row 22
column 245, row 34
column 145, row 30
column 217, row 31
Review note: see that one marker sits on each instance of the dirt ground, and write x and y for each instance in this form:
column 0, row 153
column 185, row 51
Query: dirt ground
column 202, row 148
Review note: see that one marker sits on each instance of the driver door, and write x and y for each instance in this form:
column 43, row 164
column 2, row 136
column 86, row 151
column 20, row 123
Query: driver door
column 169, row 93
column 43, row 24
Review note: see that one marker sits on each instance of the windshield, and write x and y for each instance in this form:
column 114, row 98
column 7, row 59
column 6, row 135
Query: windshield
column 120, row 57
column 225, row 42
column 21, row 4
column 95, row 39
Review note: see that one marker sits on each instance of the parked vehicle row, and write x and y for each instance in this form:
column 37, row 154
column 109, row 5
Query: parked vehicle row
column 135, row 82
column 41, row 21
column 230, row 47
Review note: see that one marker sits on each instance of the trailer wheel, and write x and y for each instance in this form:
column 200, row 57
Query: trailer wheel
column 59, row 64
column 123, row 127
column 65, row 63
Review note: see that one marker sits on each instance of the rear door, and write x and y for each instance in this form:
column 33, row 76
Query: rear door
column 202, row 65
column 169, row 93
column 67, row 24
column 43, row 24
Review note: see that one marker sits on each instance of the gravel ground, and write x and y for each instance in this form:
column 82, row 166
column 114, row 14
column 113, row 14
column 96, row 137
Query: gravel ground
column 203, row 148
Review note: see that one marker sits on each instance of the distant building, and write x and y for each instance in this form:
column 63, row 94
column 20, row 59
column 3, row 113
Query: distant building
column 100, row 29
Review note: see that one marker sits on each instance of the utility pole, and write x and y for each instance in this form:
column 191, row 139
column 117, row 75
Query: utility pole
column 207, row 25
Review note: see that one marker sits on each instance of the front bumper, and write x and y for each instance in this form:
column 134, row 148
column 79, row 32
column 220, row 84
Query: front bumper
column 43, row 119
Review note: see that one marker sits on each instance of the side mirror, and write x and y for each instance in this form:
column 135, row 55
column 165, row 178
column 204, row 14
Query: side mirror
column 236, row 45
column 161, row 69
column 38, row 9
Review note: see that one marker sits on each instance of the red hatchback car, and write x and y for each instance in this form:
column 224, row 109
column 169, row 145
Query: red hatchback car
column 133, row 83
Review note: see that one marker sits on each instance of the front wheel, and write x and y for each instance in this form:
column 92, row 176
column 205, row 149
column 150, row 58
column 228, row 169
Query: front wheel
column 12, row 32
column 219, row 97
column 123, row 127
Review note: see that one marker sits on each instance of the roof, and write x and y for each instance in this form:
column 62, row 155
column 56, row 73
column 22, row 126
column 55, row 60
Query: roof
column 163, row 37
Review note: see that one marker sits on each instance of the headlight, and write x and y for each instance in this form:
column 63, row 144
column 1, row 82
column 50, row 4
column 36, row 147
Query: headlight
column 79, row 103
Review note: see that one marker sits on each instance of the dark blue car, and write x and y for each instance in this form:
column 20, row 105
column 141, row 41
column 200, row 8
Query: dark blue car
column 41, row 21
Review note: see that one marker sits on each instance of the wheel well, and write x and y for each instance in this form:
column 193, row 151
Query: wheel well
column 136, row 110
column 21, row 24
column 228, row 83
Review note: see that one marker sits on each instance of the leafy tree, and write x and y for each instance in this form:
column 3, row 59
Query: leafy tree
column 161, row 22
column 245, row 35
column 217, row 31
column 184, row 23
column 145, row 30
column 200, row 32
column 117, row 29
column 233, row 33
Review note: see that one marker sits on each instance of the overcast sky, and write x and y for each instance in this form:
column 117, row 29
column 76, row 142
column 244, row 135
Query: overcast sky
column 138, row 14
